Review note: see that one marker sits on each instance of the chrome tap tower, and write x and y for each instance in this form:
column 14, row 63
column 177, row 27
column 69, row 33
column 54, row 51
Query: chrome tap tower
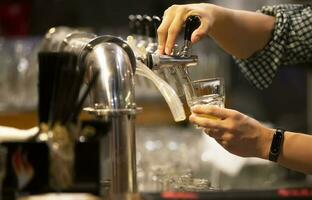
column 112, row 96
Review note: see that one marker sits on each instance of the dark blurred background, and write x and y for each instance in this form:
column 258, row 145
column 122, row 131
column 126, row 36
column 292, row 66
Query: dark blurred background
column 35, row 17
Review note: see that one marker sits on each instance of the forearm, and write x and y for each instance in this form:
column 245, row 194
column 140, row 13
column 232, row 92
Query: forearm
column 250, row 31
column 297, row 152
column 290, row 44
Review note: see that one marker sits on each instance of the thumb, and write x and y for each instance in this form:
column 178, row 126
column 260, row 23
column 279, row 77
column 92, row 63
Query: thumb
column 199, row 33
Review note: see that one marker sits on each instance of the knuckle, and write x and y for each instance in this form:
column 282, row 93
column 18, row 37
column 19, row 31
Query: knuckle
column 205, row 124
column 236, row 115
column 171, row 8
column 231, row 127
column 181, row 9
column 166, row 13
column 213, row 109
column 174, row 6
column 173, row 31
column 161, row 31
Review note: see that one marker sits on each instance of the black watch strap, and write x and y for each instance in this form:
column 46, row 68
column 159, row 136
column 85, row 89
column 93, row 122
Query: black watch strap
column 276, row 145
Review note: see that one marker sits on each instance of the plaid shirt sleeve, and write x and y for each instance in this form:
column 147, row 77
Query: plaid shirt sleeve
column 291, row 43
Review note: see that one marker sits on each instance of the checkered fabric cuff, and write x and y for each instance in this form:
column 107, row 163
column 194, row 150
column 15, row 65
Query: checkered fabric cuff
column 291, row 42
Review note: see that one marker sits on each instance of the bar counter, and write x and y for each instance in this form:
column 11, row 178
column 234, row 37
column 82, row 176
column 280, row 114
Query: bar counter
column 298, row 193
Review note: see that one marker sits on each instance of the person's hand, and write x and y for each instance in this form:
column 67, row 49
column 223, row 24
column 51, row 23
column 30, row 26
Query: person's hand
column 236, row 132
column 174, row 18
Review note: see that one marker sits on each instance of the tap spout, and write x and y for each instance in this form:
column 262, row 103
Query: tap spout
column 156, row 61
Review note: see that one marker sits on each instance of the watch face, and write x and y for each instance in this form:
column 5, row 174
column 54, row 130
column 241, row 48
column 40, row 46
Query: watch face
column 274, row 150
column 277, row 141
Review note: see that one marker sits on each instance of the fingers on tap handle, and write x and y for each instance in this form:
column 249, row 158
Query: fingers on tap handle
column 191, row 24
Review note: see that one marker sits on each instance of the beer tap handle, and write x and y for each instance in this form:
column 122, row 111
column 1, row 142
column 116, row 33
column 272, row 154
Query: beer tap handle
column 148, row 26
column 191, row 24
column 131, row 23
column 139, row 25
column 156, row 23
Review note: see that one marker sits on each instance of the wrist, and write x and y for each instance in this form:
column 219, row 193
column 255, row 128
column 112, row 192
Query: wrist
column 266, row 143
column 276, row 145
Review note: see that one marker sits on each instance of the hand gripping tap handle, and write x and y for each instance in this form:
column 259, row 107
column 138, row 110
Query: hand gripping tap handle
column 191, row 24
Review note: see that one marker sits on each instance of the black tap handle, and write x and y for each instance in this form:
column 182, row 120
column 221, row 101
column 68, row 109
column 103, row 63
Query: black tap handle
column 132, row 27
column 156, row 23
column 191, row 24
column 148, row 25
column 139, row 25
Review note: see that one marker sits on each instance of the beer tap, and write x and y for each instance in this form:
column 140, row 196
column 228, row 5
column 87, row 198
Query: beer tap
column 150, row 31
column 191, row 24
column 156, row 23
column 179, row 62
column 132, row 26
column 183, row 58
column 139, row 24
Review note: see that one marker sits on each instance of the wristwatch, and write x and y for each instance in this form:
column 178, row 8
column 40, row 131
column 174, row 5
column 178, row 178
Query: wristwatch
column 276, row 145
